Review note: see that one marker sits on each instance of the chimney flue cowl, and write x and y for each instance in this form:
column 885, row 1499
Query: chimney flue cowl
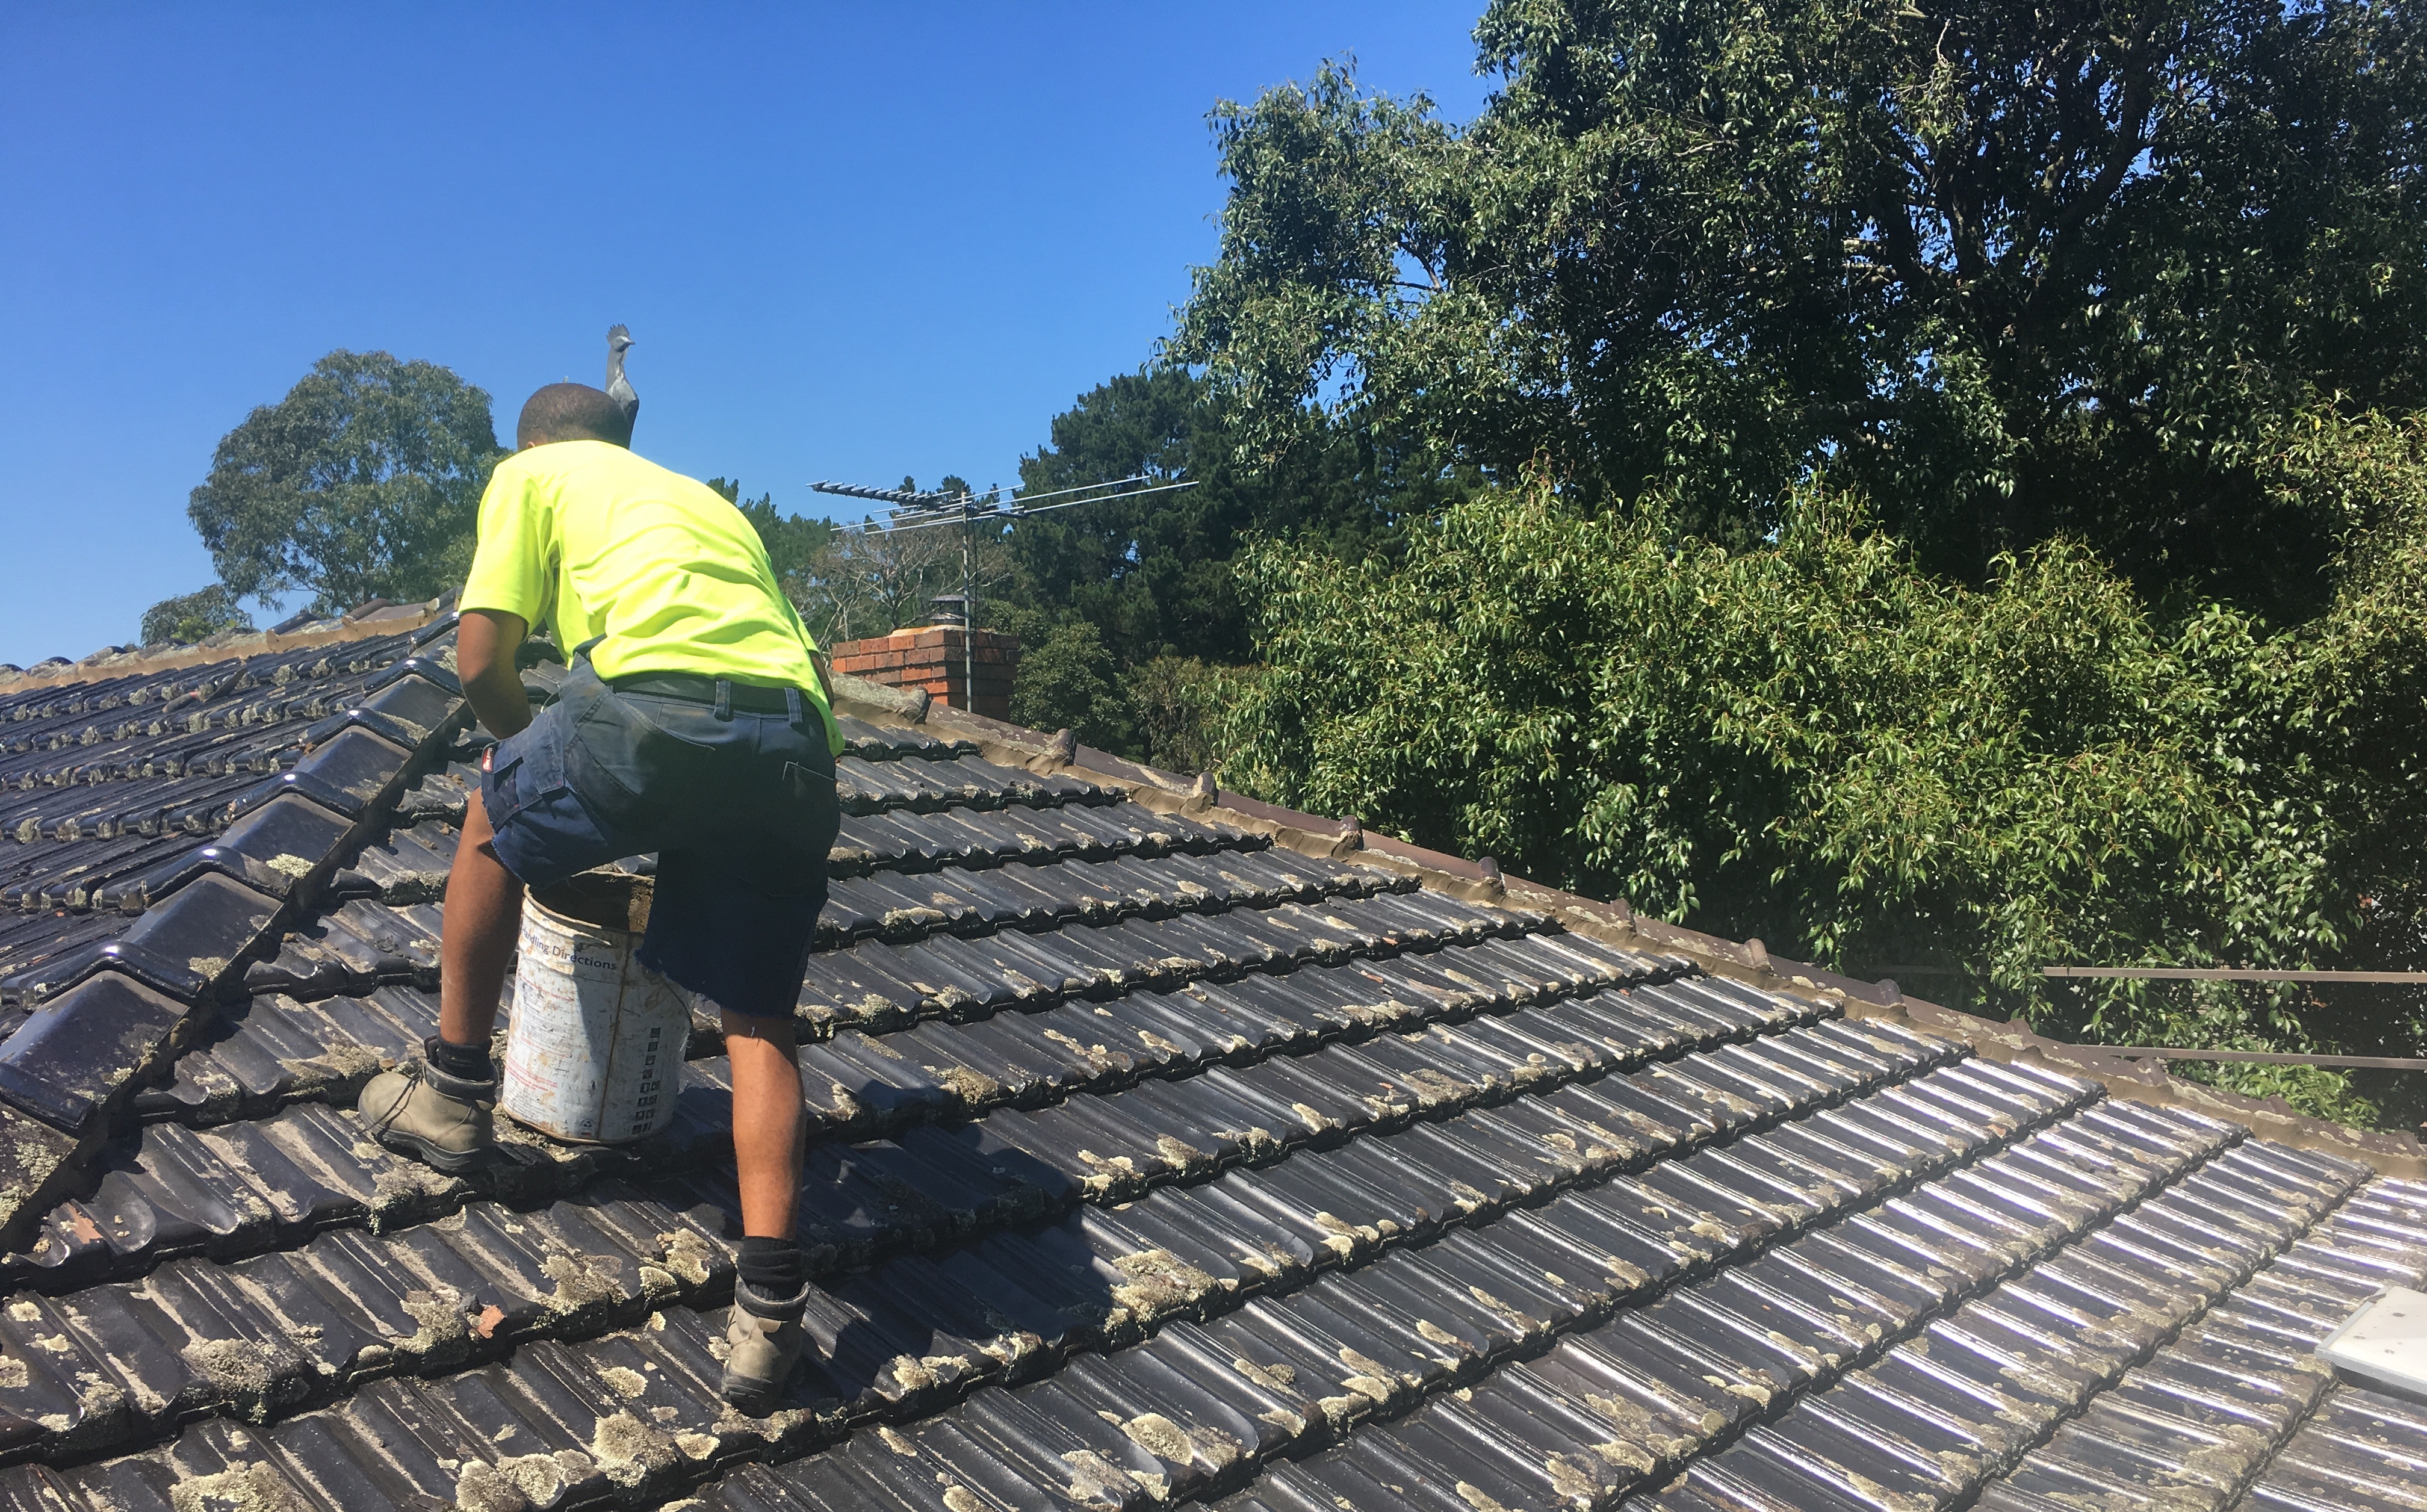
column 948, row 610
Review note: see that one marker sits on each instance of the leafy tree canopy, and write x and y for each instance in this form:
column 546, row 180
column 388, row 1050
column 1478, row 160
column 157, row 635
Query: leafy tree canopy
column 1810, row 741
column 1067, row 681
column 1122, row 606
column 363, row 482
column 195, row 616
column 1937, row 483
column 2012, row 271
column 1152, row 573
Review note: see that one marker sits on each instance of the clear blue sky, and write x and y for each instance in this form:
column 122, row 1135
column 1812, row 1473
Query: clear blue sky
column 852, row 241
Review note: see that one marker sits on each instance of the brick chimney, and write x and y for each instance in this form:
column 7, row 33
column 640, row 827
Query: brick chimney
column 930, row 656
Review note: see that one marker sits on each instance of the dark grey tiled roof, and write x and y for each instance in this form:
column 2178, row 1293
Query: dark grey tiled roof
column 1154, row 1163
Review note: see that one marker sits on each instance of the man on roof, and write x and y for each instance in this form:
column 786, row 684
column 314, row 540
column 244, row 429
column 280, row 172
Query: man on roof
column 694, row 724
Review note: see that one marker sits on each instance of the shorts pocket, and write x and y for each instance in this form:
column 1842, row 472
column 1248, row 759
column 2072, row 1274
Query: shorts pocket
column 812, row 818
column 638, row 776
column 524, row 770
column 669, row 724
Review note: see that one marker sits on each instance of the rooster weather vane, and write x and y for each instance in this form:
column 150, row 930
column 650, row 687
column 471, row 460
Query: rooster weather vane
column 619, row 388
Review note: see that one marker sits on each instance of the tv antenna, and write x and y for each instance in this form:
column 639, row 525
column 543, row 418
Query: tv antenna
column 926, row 509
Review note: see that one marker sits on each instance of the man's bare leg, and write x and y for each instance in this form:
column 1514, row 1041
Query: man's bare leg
column 763, row 1334
column 770, row 1290
column 439, row 1110
column 484, row 902
column 483, row 917
column 767, row 1122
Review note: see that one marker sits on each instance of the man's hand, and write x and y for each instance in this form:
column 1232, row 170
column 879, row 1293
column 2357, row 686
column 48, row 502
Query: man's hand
column 486, row 642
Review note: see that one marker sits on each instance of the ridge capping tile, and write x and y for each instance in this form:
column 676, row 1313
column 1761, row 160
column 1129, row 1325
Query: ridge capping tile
column 1239, row 803
column 190, row 947
column 910, row 706
column 361, row 717
column 355, row 772
column 75, row 1056
column 284, row 847
column 427, row 668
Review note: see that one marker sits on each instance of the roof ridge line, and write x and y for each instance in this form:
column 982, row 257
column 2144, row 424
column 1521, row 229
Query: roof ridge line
column 103, row 666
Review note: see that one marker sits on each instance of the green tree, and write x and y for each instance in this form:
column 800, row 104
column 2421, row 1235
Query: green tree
column 2014, row 271
column 1173, row 702
column 195, row 616
column 1065, row 682
column 1811, row 740
column 363, row 482
column 1152, row 573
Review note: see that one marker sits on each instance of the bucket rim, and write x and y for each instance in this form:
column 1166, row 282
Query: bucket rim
column 637, row 894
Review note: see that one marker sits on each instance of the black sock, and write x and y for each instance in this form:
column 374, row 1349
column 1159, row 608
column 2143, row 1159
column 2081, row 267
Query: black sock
column 466, row 1063
column 771, row 1273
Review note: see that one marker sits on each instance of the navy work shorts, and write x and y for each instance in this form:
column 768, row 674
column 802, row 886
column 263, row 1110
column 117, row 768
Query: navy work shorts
column 740, row 810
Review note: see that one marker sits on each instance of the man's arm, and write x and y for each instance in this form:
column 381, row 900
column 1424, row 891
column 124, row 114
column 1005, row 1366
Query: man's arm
column 486, row 642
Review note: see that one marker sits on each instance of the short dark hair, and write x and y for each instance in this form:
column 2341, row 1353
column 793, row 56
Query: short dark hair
column 572, row 412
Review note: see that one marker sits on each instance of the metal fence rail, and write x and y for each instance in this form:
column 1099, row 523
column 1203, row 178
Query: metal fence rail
column 2151, row 1053
column 2228, row 973
column 2191, row 973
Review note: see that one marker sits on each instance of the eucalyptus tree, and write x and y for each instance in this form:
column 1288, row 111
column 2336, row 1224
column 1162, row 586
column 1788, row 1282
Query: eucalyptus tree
column 363, row 482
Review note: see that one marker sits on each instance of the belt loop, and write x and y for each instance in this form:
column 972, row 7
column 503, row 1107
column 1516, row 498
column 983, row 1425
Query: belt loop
column 792, row 707
column 723, row 698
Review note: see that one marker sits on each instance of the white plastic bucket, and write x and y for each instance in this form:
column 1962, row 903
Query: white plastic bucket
column 594, row 1052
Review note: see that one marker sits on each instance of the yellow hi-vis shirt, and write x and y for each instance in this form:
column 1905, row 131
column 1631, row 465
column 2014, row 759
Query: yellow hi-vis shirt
column 599, row 543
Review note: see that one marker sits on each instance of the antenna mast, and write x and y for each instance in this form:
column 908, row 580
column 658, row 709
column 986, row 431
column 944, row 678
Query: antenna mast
column 920, row 509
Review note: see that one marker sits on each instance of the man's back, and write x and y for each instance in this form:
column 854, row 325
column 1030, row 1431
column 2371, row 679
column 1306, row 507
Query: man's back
column 599, row 542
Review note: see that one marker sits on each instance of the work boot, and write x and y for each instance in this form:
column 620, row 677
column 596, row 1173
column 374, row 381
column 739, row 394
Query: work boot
column 421, row 1110
column 760, row 1350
